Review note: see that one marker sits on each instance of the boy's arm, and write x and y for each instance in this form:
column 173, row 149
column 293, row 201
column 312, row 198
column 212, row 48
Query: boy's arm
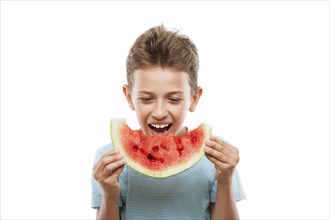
column 108, row 210
column 225, row 158
column 225, row 205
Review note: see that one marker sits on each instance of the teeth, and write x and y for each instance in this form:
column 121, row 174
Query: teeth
column 160, row 126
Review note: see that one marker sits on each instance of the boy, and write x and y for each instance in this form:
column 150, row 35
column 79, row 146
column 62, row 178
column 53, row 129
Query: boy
column 162, row 87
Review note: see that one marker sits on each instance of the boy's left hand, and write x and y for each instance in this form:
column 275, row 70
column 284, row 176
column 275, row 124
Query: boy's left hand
column 224, row 156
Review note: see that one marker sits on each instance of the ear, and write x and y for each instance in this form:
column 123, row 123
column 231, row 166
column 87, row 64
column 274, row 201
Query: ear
column 196, row 96
column 128, row 96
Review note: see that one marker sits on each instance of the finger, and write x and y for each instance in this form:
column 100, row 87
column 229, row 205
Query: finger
column 216, row 154
column 219, row 147
column 224, row 155
column 110, row 168
column 97, row 171
column 229, row 150
column 224, row 144
column 108, row 158
column 117, row 172
column 214, row 145
column 217, row 163
column 115, row 175
column 111, row 152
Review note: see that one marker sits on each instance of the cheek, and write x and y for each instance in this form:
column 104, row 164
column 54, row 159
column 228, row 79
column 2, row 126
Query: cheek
column 179, row 111
column 143, row 110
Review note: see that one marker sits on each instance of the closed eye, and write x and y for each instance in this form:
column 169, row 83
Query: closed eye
column 174, row 100
column 146, row 99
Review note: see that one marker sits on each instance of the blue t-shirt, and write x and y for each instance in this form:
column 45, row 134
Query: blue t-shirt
column 186, row 195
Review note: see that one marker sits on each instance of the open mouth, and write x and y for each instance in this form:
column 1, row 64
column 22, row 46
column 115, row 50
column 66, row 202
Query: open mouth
column 161, row 129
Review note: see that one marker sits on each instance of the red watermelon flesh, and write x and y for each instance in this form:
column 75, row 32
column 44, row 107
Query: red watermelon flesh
column 159, row 155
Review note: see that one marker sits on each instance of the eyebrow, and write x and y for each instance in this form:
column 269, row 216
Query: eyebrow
column 170, row 93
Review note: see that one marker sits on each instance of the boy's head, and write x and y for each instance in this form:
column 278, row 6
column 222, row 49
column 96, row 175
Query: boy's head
column 162, row 86
column 158, row 47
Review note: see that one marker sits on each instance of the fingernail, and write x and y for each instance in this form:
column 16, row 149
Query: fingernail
column 120, row 156
column 208, row 142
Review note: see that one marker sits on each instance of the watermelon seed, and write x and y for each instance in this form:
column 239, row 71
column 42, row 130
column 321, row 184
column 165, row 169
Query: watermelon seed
column 155, row 148
column 155, row 159
column 151, row 158
column 135, row 148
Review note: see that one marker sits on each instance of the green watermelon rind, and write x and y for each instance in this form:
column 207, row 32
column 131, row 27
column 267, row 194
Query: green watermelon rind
column 115, row 125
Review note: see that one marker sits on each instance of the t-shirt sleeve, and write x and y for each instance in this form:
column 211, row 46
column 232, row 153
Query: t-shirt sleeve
column 96, row 188
column 238, row 188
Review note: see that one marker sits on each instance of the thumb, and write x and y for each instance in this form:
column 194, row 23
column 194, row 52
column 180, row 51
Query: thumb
column 117, row 172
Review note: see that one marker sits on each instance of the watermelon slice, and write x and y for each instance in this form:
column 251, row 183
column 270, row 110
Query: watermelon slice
column 159, row 155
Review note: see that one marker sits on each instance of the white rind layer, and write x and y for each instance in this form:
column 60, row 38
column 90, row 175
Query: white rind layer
column 116, row 124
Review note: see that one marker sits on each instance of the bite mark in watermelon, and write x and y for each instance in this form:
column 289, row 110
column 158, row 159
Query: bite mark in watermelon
column 159, row 155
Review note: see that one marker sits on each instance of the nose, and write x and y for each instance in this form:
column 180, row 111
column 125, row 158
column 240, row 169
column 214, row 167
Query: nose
column 159, row 111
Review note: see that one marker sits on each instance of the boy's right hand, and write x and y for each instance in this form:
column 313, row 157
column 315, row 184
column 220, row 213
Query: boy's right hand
column 107, row 170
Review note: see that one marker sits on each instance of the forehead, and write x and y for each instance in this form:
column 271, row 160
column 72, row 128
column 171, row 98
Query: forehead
column 160, row 79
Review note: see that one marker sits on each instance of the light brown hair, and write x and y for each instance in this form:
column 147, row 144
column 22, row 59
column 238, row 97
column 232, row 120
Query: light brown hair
column 158, row 47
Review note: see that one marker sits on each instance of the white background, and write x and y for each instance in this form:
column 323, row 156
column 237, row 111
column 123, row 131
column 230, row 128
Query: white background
column 264, row 67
